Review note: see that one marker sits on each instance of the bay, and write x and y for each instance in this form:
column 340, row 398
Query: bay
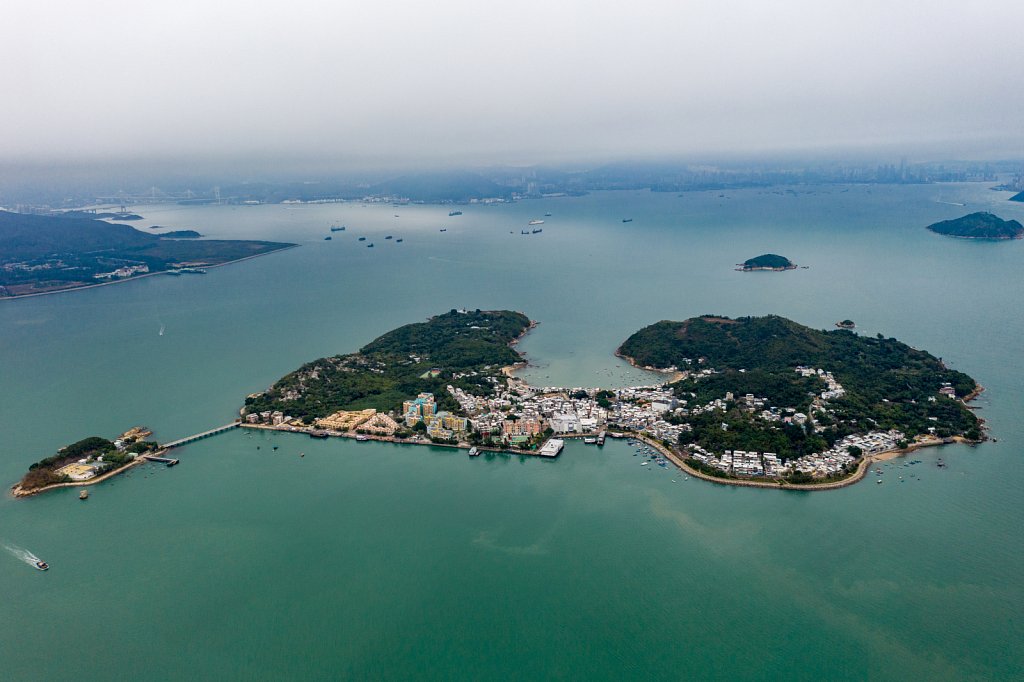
column 390, row 562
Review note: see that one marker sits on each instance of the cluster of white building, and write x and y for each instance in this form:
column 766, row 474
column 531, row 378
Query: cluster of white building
column 833, row 388
column 122, row 272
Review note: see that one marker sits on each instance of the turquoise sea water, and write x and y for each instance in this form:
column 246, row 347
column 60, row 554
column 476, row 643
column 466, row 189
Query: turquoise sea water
column 389, row 562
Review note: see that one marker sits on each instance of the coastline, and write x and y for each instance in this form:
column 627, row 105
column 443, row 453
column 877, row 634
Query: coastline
column 16, row 490
column 138, row 277
column 510, row 370
column 673, row 374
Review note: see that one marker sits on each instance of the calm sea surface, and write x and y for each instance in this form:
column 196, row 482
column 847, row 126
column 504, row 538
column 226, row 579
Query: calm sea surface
column 374, row 561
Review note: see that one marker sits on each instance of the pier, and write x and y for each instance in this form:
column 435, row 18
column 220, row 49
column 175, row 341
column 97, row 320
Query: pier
column 199, row 436
column 163, row 460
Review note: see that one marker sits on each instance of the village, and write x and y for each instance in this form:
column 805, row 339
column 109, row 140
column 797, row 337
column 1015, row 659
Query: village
column 520, row 418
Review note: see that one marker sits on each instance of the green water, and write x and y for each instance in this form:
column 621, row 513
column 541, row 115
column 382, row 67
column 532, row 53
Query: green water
column 372, row 561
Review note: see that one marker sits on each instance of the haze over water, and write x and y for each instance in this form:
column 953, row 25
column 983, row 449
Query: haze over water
column 390, row 562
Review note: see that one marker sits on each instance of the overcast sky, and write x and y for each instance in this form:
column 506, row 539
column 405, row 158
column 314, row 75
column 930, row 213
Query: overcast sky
column 511, row 82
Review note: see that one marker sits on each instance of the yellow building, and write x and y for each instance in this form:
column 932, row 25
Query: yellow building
column 345, row 420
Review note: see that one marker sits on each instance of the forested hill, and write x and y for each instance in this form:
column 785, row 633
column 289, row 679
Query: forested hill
column 466, row 349
column 875, row 367
column 41, row 253
column 980, row 225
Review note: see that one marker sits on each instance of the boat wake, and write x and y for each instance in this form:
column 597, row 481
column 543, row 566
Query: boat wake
column 23, row 554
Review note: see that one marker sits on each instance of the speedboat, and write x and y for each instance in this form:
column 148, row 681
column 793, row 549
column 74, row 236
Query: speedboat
column 474, row 451
column 42, row 565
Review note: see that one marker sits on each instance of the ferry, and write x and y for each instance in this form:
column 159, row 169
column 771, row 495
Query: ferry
column 362, row 438
column 474, row 451
column 42, row 565
column 590, row 441
column 451, row 213
column 536, row 222
column 335, row 228
column 318, row 434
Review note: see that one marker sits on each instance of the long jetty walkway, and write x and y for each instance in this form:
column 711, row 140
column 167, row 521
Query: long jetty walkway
column 199, row 436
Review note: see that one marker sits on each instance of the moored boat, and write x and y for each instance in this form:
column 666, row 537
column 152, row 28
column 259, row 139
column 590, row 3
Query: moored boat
column 474, row 451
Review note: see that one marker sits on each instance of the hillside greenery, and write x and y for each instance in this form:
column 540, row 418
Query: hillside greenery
column 888, row 384
column 466, row 349
column 980, row 225
column 768, row 260
column 51, row 252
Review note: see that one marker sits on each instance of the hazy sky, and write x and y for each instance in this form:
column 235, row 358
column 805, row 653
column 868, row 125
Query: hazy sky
column 514, row 82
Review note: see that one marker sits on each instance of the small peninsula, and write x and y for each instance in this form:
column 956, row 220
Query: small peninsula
column 980, row 225
column 49, row 253
column 767, row 261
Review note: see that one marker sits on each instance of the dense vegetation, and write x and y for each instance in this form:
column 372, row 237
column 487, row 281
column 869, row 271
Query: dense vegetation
column 44, row 472
column 768, row 260
column 41, row 252
column 888, row 384
column 464, row 349
column 981, row 225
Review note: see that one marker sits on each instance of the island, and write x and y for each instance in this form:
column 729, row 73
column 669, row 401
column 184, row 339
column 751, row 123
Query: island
column 980, row 225
column 846, row 324
column 767, row 261
column 768, row 399
column 753, row 401
column 181, row 234
column 89, row 460
column 42, row 254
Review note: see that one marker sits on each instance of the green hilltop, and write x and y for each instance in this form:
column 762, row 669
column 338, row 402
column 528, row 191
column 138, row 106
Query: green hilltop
column 768, row 261
column 888, row 384
column 467, row 348
column 980, row 225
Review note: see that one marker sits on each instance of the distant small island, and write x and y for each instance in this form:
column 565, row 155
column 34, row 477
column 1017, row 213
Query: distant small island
column 42, row 254
column 181, row 234
column 767, row 261
column 846, row 324
column 981, row 225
